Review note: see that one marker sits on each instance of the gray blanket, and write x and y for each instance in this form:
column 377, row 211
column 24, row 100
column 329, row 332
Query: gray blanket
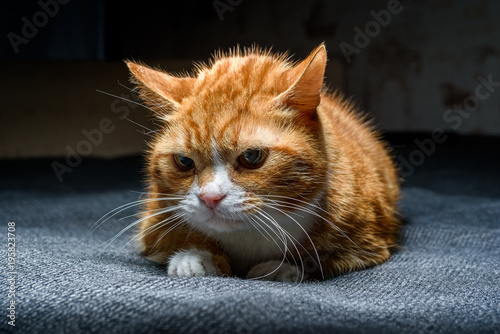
column 444, row 279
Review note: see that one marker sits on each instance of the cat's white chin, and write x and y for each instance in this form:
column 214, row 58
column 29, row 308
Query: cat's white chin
column 217, row 223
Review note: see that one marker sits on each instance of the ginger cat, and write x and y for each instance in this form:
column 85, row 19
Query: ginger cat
column 257, row 171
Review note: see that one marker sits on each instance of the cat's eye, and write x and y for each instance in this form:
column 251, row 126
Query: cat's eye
column 253, row 158
column 184, row 163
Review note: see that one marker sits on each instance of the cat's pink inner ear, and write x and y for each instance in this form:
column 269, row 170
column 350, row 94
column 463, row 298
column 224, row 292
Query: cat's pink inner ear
column 171, row 88
column 307, row 80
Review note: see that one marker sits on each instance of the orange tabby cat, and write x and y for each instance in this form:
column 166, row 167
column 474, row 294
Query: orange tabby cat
column 258, row 172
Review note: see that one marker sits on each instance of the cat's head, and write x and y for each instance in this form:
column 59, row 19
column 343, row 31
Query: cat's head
column 239, row 139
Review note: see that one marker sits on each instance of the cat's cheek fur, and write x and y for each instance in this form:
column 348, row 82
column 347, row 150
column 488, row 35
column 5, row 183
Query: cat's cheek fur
column 166, row 176
column 192, row 262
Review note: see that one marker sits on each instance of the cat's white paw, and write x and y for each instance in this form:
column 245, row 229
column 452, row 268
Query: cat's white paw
column 193, row 262
column 276, row 271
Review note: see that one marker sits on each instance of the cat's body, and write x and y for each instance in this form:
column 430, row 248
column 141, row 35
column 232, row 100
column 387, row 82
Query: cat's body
column 259, row 173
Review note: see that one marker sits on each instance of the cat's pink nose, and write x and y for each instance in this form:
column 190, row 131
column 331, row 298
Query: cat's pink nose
column 212, row 200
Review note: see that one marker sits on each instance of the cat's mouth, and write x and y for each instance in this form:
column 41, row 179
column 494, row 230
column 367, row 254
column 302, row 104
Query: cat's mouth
column 221, row 222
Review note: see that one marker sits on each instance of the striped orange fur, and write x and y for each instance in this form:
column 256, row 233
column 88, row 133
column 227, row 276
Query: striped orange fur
column 257, row 171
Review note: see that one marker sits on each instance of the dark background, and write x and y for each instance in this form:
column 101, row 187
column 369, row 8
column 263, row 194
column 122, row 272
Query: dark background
column 415, row 77
column 112, row 31
column 412, row 73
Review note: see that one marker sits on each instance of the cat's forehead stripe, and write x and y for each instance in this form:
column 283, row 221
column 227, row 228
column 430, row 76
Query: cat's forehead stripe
column 217, row 160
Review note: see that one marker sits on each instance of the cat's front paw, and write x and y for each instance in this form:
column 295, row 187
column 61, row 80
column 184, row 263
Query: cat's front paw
column 192, row 262
column 276, row 271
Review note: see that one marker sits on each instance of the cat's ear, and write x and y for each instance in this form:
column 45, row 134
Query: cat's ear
column 172, row 89
column 306, row 82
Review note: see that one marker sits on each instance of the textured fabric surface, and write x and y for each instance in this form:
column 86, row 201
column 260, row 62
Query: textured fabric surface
column 445, row 278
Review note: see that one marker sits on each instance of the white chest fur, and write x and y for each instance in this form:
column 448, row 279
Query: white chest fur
column 246, row 248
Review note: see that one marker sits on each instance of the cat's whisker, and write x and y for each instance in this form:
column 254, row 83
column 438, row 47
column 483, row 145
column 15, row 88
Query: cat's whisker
column 145, row 133
column 152, row 132
column 176, row 224
column 134, row 90
column 305, row 202
column 139, row 125
column 111, row 240
column 266, row 230
column 138, row 221
column 295, row 263
column 180, row 222
column 132, row 204
column 286, row 236
column 295, row 240
column 275, row 228
column 120, row 209
column 292, row 206
column 154, row 227
column 162, row 210
column 125, row 229
column 284, row 241
column 312, row 212
column 131, row 101
column 358, row 249
column 312, row 257
column 256, row 226
column 288, row 215
column 113, row 213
